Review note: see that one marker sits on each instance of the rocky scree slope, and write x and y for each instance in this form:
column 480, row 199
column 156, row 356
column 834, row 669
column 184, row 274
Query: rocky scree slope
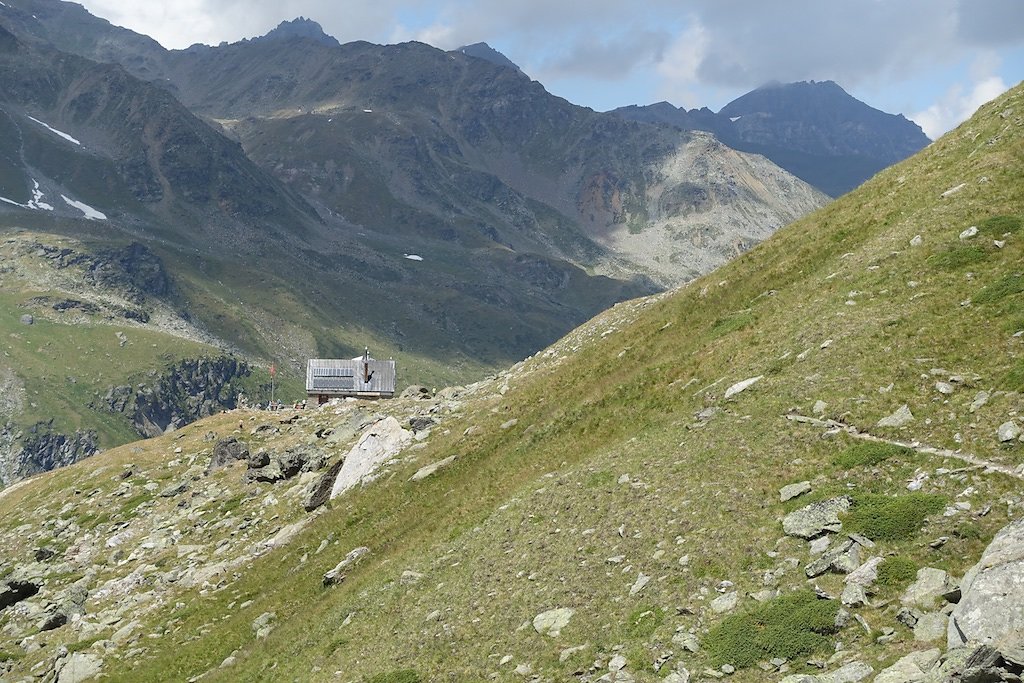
column 778, row 472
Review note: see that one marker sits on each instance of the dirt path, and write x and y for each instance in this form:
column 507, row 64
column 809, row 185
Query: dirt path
column 915, row 445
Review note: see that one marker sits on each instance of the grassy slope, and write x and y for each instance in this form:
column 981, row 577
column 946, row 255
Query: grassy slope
column 528, row 516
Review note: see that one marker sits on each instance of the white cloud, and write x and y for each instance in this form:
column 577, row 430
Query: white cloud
column 679, row 65
column 959, row 102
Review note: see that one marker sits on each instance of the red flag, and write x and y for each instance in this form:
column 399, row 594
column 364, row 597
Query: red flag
column 273, row 370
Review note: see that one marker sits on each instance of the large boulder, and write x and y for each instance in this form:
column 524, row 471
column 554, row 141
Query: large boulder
column 992, row 592
column 227, row 451
column 380, row 442
column 817, row 518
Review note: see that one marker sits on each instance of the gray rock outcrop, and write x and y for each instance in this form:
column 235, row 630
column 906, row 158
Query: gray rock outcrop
column 992, row 592
column 817, row 518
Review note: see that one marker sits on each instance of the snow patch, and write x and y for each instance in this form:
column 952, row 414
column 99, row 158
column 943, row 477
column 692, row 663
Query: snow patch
column 90, row 213
column 413, row 257
column 57, row 132
column 367, row 111
column 734, row 119
column 35, row 202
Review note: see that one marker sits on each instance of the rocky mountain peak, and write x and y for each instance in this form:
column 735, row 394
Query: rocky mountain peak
column 300, row 27
column 488, row 53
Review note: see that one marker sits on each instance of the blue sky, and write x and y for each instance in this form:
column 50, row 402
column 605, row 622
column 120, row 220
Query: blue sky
column 934, row 61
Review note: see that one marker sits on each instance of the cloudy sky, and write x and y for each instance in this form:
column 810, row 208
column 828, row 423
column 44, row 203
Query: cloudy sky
column 935, row 61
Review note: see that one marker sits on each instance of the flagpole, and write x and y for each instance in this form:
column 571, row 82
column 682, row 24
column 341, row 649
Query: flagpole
column 272, row 374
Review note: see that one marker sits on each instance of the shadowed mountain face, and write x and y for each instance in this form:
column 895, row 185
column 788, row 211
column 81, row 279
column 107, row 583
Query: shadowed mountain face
column 305, row 199
column 817, row 131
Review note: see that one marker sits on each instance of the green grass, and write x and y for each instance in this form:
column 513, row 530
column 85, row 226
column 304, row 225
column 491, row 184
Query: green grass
column 398, row 676
column 999, row 226
column 891, row 518
column 791, row 626
column 896, row 572
column 868, row 454
column 958, row 257
column 1006, row 286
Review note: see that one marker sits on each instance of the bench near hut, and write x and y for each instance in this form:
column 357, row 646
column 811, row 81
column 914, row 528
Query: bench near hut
column 362, row 377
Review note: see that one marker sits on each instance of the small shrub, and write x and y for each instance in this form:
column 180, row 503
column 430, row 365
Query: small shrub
column 731, row 323
column 600, row 480
column 968, row 531
column 1014, row 379
column 957, row 257
column 644, row 621
column 891, row 518
column 397, row 676
column 896, row 572
column 867, row 453
column 997, row 226
column 1007, row 286
column 789, row 627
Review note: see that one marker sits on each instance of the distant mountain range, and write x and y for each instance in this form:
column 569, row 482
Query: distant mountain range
column 814, row 130
column 305, row 198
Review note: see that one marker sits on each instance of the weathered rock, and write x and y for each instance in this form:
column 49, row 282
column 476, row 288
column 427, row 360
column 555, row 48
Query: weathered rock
column 27, row 319
column 848, row 673
column 227, row 451
column 859, row 583
column 426, row 471
column 409, row 577
column 337, row 575
column 742, row 386
column 680, row 675
column 641, row 582
column 930, row 585
column 931, row 626
column 995, row 662
column 264, row 624
column 16, row 589
column 816, row 518
column 416, row 391
column 174, row 490
column 320, row 491
column 992, row 592
column 900, row 418
column 791, row 491
column 843, row 558
column 551, row 622
column 910, row 669
column 725, row 603
column 379, row 443
column 78, row 667
column 1008, row 431
column 257, row 460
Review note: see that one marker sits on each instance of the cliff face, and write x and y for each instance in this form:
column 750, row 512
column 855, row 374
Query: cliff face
column 191, row 389
column 185, row 392
column 24, row 452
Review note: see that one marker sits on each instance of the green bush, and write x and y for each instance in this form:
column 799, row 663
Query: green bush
column 397, row 676
column 790, row 626
column 644, row 621
column 957, row 257
column 890, row 518
column 867, row 453
column 997, row 226
column 1007, row 286
column 731, row 323
column 1014, row 379
column 896, row 572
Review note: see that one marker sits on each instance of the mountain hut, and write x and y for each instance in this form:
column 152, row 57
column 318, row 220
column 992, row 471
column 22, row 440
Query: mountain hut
column 362, row 377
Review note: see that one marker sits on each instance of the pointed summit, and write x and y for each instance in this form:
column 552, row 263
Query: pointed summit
column 300, row 28
column 488, row 53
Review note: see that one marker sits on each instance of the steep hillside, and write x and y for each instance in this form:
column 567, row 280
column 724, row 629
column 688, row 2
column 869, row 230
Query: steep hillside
column 816, row 131
column 607, row 510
